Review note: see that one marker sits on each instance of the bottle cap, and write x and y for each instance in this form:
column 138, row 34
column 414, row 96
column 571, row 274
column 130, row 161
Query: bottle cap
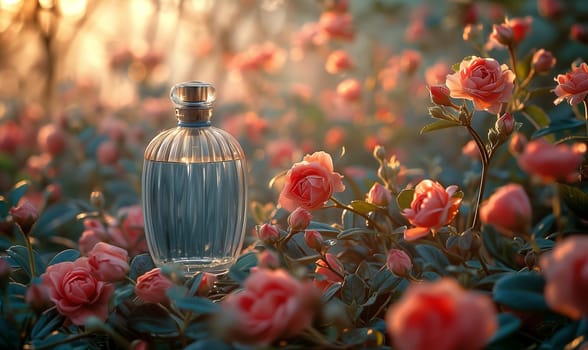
column 193, row 101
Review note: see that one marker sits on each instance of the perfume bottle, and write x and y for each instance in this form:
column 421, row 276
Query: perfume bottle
column 194, row 190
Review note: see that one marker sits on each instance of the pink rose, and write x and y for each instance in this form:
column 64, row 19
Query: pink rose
column 398, row 262
column 379, row 195
column 25, row 215
column 107, row 153
column 76, row 292
column 566, row 274
column 552, row 162
column 572, row 86
column 508, row 210
column 94, row 231
column 543, row 61
column 432, row 206
column 273, row 305
column 441, row 315
column 268, row 233
column 328, row 272
column 349, row 90
column 108, row 262
column 338, row 61
column 133, row 229
column 152, row 286
column 483, row 81
column 51, row 139
column 310, row 183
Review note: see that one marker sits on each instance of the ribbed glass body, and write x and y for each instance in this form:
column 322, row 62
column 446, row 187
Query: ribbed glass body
column 194, row 194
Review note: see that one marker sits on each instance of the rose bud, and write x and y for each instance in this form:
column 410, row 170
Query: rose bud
column 24, row 215
column 268, row 234
column 314, row 240
column 502, row 33
column 379, row 195
column 440, row 95
column 398, row 262
column 505, row 124
column 543, row 61
column 299, row 219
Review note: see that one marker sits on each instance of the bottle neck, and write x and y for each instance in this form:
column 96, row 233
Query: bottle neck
column 193, row 117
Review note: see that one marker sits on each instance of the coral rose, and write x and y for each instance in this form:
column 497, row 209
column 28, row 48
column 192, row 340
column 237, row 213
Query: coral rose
column 572, row 86
column 273, row 305
column 443, row 316
column 325, row 276
column 508, row 210
column 108, row 262
column 432, row 206
column 566, row 274
column 132, row 229
column 379, row 195
column 552, row 162
column 483, row 81
column 76, row 292
column 310, row 183
column 152, row 286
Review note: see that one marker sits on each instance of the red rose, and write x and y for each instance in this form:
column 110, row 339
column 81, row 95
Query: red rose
column 310, row 183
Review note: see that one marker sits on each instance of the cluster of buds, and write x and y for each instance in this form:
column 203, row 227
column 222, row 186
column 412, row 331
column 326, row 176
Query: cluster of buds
column 389, row 168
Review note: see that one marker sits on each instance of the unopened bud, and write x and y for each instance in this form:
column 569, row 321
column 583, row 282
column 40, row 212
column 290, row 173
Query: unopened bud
column 299, row 219
column 380, row 153
column 517, row 143
column 379, row 195
column 579, row 33
column 314, row 240
column 505, row 124
column 268, row 234
column 25, row 215
column 440, row 95
column 543, row 61
column 97, row 199
column 503, row 34
column 398, row 262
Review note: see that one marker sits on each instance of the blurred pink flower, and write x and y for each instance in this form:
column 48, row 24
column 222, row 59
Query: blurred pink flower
column 11, row 137
column 75, row 291
column 310, row 183
column 325, row 277
column 273, row 305
column 262, row 57
column 572, row 86
column 349, row 90
column 520, row 26
column 113, row 127
column 552, row 162
column 398, row 262
column 338, row 61
column 37, row 297
column 132, row 229
column 107, row 153
column 337, row 25
column 437, row 73
column 579, row 33
column 410, row 61
column 432, row 207
column 51, row 139
column 470, row 149
column 281, row 152
column 334, row 138
column 483, row 81
column 566, row 274
column 108, row 262
column 441, row 315
column 550, row 8
column 502, row 34
column 379, row 195
column 94, row 231
column 152, row 286
column 508, row 210
column 268, row 259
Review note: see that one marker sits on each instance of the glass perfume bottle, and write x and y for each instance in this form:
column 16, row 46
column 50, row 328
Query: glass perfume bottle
column 194, row 190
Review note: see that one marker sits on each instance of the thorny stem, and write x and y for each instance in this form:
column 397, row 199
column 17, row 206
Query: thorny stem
column 343, row 206
column 475, row 225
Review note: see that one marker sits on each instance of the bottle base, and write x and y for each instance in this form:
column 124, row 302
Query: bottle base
column 191, row 266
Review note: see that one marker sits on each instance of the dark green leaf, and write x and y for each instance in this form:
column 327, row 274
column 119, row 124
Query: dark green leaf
column 195, row 283
column 537, row 114
column 9, row 337
column 140, row 264
column 65, row 255
column 557, row 126
column 404, row 198
column 576, row 200
column 430, row 256
column 384, row 281
column 355, row 232
column 53, row 218
column 507, row 325
column 208, row 344
column 197, row 305
column 17, row 192
column 47, row 323
column 240, row 270
column 438, row 125
column 543, row 227
column 20, row 258
column 354, row 290
column 330, row 292
column 321, row 227
column 521, row 291
column 152, row 319
column 4, row 207
column 363, row 207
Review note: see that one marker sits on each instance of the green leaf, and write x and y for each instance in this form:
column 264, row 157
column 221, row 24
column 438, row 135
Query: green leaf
column 240, row 270
column 576, row 200
column 4, row 207
column 53, row 218
column 404, row 198
column 507, row 325
column 557, row 126
column 544, row 226
column 17, row 192
column 153, row 319
column 431, row 257
column 65, row 255
column 9, row 337
column 384, row 281
column 363, row 207
column 208, row 344
column 140, row 264
column 537, row 114
column 355, row 232
column 438, row 125
column 20, row 258
column 47, row 323
column 354, row 290
column 321, row 227
column 330, row 292
column 521, row 291
column 198, row 305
